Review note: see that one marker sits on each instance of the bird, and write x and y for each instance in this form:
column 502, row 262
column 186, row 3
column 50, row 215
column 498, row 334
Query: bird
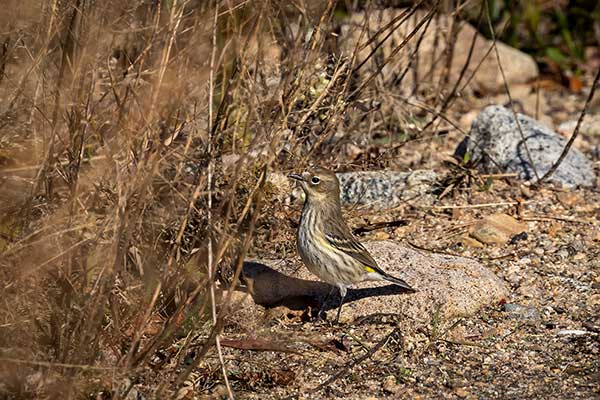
column 326, row 244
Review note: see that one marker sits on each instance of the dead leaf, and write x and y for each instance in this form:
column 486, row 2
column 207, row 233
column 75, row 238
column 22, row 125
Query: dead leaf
column 575, row 84
column 333, row 345
column 258, row 345
column 282, row 377
column 548, row 84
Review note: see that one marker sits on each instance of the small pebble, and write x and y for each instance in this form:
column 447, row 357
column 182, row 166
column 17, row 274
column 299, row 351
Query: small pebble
column 550, row 325
column 572, row 332
column 518, row 311
column 390, row 385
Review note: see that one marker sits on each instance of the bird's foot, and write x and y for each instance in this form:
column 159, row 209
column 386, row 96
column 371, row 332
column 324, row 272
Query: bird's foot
column 321, row 319
column 321, row 316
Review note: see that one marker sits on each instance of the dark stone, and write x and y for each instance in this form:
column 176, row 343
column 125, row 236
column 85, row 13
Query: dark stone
column 518, row 237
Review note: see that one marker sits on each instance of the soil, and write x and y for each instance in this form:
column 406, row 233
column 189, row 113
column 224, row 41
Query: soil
column 543, row 343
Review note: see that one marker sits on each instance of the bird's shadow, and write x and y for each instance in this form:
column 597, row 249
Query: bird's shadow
column 271, row 288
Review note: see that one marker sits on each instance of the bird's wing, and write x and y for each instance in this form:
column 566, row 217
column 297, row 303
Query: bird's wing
column 343, row 240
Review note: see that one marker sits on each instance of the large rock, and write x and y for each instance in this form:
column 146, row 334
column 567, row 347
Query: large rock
column 448, row 285
column 431, row 53
column 496, row 145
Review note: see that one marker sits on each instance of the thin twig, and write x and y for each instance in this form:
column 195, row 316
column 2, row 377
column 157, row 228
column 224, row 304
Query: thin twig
column 211, row 271
column 555, row 218
column 345, row 369
column 57, row 365
column 452, row 95
column 501, row 257
column 402, row 17
column 499, row 176
column 512, row 106
column 258, row 345
column 483, row 205
column 393, row 53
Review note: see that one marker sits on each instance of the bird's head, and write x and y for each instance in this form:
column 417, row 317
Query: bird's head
column 319, row 184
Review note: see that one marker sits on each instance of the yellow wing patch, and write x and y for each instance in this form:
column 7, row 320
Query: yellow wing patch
column 368, row 269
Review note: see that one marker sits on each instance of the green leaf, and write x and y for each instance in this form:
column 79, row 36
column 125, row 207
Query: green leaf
column 487, row 185
column 557, row 56
column 466, row 157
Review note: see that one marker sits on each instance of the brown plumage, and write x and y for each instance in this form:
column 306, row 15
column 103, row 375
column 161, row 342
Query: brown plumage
column 325, row 243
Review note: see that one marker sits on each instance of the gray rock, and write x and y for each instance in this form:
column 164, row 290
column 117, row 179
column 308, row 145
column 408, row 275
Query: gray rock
column 495, row 144
column 376, row 189
column 518, row 311
column 447, row 286
column 386, row 189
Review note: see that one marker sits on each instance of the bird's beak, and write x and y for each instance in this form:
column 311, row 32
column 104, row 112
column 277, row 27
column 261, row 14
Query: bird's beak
column 296, row 177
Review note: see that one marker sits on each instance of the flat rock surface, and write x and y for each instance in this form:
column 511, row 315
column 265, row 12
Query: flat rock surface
column 497, row 229
column 448, row 286
column 495, row 144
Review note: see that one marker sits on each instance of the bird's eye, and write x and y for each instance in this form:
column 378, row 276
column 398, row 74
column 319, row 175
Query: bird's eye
column 315, row 180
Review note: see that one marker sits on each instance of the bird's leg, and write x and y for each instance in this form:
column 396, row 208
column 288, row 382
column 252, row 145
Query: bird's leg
column 322, row 309
column 343, row 292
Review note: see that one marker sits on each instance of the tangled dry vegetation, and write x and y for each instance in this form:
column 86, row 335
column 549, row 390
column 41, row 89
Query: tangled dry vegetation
column 135, row 142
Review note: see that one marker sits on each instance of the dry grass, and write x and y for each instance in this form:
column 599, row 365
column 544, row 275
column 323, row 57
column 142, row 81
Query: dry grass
column 135, row 138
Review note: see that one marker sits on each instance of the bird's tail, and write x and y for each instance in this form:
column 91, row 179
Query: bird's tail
column 398, row 282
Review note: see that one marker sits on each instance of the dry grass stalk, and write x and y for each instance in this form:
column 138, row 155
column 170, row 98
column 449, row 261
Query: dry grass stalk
column 139, row 140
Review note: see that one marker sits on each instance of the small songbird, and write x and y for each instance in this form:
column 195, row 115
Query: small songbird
column 326, row 244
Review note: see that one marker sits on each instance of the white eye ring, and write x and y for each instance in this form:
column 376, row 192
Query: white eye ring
column 315, row 180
